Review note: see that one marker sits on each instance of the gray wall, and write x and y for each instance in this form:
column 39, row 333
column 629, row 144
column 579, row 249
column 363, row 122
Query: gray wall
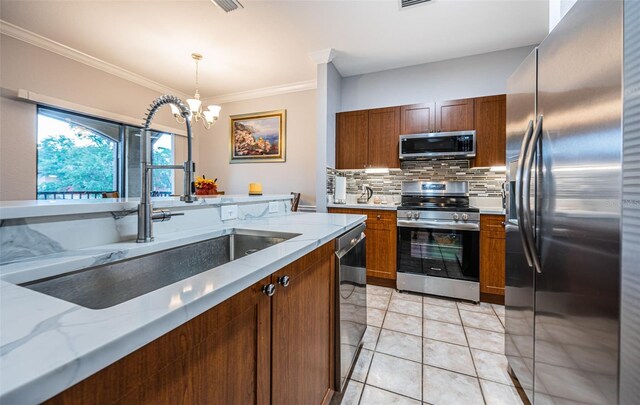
column 296, row 174
column 471, row 76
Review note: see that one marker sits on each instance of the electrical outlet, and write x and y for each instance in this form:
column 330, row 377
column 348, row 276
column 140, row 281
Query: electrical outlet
column 273, row 207
column 229, row 212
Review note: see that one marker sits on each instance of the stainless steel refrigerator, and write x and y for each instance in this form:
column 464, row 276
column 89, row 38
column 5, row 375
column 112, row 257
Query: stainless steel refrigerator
column 570, row 322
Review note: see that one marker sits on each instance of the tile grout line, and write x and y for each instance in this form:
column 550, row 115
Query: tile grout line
column 472, row 359
column 364, row 384
column 422, row 337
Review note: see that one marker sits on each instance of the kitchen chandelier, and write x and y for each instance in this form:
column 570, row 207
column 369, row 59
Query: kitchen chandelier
column 209, row 117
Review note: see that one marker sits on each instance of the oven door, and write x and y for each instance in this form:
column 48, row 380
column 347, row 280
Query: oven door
column 443, row 253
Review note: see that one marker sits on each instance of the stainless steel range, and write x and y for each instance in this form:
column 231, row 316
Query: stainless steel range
column 438, row 240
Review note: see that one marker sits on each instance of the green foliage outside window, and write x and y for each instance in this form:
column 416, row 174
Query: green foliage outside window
column 81, row 163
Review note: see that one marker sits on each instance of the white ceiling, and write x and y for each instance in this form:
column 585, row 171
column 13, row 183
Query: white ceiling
column 268, row 42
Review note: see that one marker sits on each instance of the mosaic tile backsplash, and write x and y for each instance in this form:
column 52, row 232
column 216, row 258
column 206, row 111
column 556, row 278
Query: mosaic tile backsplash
column 482, row 181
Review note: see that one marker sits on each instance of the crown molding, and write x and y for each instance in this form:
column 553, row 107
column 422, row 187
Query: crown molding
column 262, row 92
column 50, row 45
column 323, row 56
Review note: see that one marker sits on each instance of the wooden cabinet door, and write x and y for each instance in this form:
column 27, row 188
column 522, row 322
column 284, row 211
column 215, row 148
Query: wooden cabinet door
column 491, row 130
column 492, row 255
column 384, row 137
column 302, row 329
column 417, row 118
column 381, row 244
column 352, row 137
column 454, row 115
column 219, row 357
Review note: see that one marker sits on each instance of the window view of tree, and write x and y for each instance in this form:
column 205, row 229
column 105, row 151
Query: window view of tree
column 84, row 157
column 162, row 180
column 74, row 158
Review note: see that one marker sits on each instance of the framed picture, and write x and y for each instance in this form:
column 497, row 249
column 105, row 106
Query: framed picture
column 258, row 137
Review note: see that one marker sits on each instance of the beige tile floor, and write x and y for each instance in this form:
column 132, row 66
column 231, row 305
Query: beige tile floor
column 428, row 350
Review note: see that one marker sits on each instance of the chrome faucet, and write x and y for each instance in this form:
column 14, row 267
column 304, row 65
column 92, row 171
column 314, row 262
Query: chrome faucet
column 146, row 214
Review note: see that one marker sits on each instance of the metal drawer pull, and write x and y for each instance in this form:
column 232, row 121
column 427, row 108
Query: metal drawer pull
column 269, row 290
column 284, row 281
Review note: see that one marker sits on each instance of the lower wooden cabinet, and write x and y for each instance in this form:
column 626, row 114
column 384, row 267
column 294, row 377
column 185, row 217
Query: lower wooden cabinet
column 249, row 349
column 492, row 257
column 302, row 322
column 382, row 235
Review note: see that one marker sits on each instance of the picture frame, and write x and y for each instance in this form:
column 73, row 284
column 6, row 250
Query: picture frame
column 258, row 137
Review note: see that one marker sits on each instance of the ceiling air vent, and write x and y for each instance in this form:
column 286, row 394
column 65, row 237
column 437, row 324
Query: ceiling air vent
column 228, row 5
column 409, row 3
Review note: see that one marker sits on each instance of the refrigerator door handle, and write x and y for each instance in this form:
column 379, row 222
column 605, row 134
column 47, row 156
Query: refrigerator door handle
column 519, row 192
column 526, row 197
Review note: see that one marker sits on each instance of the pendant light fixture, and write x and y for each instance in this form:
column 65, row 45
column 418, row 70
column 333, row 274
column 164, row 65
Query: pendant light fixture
column 208, row 117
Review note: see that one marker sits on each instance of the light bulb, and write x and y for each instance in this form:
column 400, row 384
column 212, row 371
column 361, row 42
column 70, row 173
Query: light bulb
column 215, row 110
column 209, row 117
column 194, row 105
column 175, row 111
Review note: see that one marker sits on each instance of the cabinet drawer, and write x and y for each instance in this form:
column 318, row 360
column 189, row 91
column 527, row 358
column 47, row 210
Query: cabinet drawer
column 492, row 223
column 380, row 215
column 345, row 211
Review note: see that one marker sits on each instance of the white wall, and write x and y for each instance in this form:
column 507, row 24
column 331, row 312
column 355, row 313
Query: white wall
column 28, row 67
column 557, row 10
column 297, row 174
column 328, row 98
column 471, row 76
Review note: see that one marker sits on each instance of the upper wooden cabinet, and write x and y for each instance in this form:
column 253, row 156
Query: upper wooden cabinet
column 454, row 115
column 491, row 130
column 418, row 118
column 368, row 138
column 384, row 137
column 352, row 135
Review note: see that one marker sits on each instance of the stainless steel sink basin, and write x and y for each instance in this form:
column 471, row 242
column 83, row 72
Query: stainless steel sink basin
column 110, row 284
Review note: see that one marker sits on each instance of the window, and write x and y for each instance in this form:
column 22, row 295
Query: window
column 77, row 156
column 82, row 157
column 162, row 153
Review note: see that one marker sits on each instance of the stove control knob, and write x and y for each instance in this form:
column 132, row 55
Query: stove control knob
column 408, row 214
column 416, row 215
column 465, row 217
column 456, row 217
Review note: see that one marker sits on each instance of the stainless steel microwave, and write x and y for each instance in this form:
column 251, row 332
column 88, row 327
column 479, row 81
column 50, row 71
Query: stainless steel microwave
column 438, row 145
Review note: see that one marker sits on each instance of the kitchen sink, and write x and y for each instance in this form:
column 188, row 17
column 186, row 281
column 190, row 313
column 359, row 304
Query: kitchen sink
column 106, row 285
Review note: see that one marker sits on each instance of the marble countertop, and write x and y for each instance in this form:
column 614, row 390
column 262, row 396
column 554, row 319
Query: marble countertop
column 492, row 211
column 40, row 208
column 391, row 207
column 48, row 345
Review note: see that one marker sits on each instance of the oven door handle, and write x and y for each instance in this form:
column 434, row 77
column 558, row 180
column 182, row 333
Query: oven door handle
column 461, row 226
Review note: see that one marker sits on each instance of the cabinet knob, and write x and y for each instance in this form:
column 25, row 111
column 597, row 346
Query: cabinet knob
column 378, row 216
column 269, row 290
column 503, row 223
column 284, row 281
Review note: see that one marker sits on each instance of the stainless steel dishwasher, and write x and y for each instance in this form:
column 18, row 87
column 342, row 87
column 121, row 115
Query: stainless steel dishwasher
column 351, row 300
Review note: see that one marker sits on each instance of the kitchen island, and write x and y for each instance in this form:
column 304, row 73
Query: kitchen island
column 49, row 345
